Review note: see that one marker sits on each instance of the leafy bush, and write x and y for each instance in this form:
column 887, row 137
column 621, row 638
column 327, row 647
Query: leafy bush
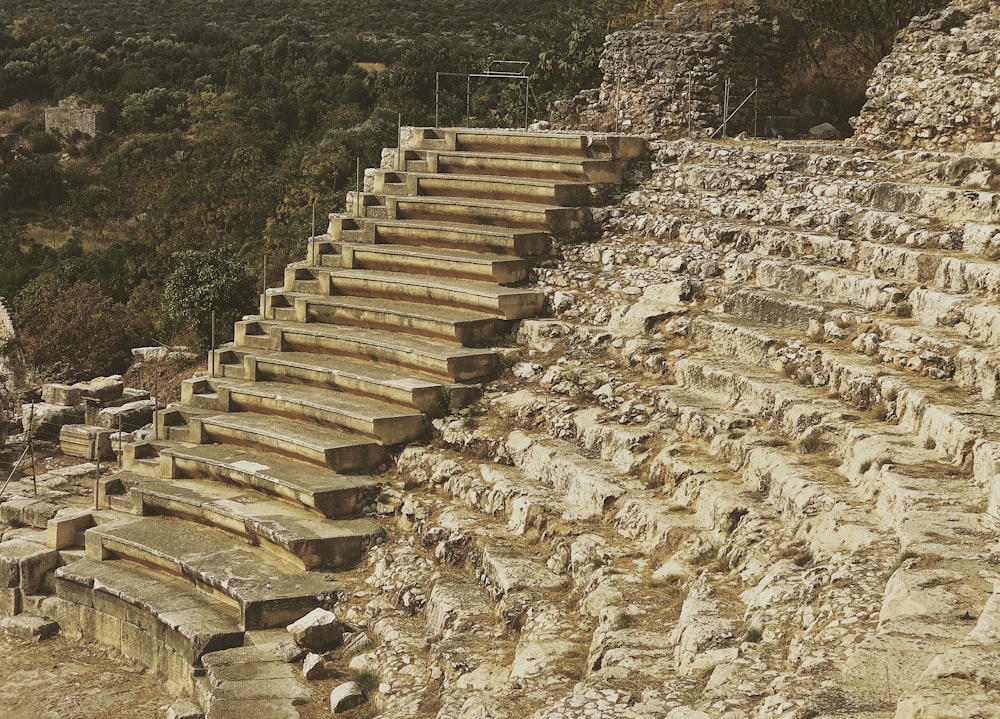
column 73, row 333
column 206, row 280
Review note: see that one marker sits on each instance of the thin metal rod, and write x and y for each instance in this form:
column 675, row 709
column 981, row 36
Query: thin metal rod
column 212, row 362
column 357, row 188
column 97, row 480
column 725, row 109
column 756, row 105
column 437, row 98
column 527, row 89
column 399, row 141
column 31, row 448
column 14, row 470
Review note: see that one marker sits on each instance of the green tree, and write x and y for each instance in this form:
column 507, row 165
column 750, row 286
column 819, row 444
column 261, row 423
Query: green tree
column 868, row 26
column 203, row 281
column 74, row 333
column 33, row 26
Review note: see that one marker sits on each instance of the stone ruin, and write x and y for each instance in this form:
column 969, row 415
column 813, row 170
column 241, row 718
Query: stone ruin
column 668, row 74
column 71, row 116
column 939, row 88
column 748, row 465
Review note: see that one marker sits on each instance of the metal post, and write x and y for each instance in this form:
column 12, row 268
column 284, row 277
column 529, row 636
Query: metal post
column 399, row 141
column 97, row 482
column 527, row 89
column 468, row 100
column 357, row 188
column 756, row 105
column 121, row 457
column 263, row 271
column 437, row 98
column 31, row 447
column 212, row 361
column 725, row 108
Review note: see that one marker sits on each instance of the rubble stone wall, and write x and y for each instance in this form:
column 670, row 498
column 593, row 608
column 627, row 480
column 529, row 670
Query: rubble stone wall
column 663, row 73
column 940, row 85
column 67, row 120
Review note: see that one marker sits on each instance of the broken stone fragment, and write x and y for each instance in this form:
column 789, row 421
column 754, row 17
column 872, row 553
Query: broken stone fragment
column 318, row 630
column 346, row 696
column 313, row 666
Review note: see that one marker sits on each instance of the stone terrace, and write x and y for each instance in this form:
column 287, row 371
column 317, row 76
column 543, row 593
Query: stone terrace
column 747, row 468
column 263, row 479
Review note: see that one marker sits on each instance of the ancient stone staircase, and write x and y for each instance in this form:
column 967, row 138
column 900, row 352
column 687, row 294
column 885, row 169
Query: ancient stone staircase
column 260, row 478
column 747, row 470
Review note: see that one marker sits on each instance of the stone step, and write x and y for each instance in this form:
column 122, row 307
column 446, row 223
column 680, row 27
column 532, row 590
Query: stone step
column 947, row 204
column 256, row 679
column 970, row 315
column 441, row 322
column 441, row 262
column 937, row 352
column 841, row 285
column 445, row 235
column 562, row 222
column 408, row 259
column 330, row 494
column 563, row 144
column 790, row 311
column 500, row 188
column 289, row 531
column 810, row 157
column 959, row 428
column 512, row 164
column 381, row 347
column 265, row 592
column 322, row 445
column 509, row 302
column 589, row 486
column 161, row 621
column 387, row 423
column 402, row 387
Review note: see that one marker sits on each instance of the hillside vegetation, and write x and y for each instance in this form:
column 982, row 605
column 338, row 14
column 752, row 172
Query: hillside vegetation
column 237, row 126
column 404, row 18
column 227, row 143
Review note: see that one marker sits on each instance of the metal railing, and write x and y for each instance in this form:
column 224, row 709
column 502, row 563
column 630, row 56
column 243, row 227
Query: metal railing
column 508, row 70
column 727, row 116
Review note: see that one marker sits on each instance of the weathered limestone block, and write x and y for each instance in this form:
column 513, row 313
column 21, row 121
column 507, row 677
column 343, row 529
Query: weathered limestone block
column 623, row 447
column 86, row 441
column 346, row 696
column 130, row 416
column 63, row 394
column 588, row 485
column 318, row 630
column 23, row 565
column 102, row 389
column 45, row 420
column 28, row 512
column 29, row 628
column 63, row 530
column 704, row 636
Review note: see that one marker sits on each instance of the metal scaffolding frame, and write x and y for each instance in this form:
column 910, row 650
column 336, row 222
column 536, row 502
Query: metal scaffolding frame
column 509, row 70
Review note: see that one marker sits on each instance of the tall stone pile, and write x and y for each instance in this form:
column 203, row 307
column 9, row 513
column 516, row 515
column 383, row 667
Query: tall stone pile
column 670, row 72
column 940, row 86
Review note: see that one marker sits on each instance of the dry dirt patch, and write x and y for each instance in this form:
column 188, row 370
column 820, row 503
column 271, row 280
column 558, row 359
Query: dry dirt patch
column 56, row 679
